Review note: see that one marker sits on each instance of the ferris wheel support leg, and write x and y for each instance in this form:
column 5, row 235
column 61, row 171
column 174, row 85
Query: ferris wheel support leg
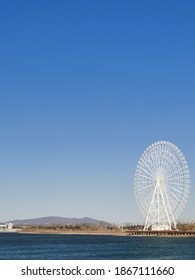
column 173, row 223
column 166, row 221
column 147, row 224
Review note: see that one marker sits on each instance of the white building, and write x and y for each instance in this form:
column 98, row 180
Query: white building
column 8, row 226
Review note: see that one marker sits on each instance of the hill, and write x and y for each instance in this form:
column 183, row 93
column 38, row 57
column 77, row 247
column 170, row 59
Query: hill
column 58, row 221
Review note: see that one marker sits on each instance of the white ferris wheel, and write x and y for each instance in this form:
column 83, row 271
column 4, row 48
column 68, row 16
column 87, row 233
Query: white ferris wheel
column 162, row 183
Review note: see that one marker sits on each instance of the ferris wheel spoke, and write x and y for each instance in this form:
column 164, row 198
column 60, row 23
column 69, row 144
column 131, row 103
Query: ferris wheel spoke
column 144, row 188
column 148, row 163
column 146, row 170
column 179, row 184
column 175, row 172
column 176, row 185
column 144, row 176
column 180, row 180
column 145, row 203
column 178, row 191
column 176, row 178
column 177, row 203
column 149, row 173
column 173, row 196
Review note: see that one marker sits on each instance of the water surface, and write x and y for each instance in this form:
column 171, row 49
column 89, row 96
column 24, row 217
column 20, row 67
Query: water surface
column 16, row 246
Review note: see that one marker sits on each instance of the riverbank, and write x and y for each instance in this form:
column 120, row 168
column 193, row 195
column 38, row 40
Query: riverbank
column 73, row 232
column 110, row 232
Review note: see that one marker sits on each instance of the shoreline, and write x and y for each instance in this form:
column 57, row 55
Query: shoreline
column 111, row 233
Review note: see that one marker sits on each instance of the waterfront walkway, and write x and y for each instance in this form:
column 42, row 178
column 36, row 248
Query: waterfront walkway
column 160, row 233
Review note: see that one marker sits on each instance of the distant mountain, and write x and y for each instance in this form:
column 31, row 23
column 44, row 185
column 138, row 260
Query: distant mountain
column 58, row 220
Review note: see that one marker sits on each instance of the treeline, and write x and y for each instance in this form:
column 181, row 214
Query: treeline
column 77, row 227
column 80, row 227
column 180, row 226
column 186, row 226
column 92, row 227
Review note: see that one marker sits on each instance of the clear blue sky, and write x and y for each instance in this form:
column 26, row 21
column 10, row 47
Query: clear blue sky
column 85, row 87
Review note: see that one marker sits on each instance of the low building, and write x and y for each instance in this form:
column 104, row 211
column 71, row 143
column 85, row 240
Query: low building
column 8, row 226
